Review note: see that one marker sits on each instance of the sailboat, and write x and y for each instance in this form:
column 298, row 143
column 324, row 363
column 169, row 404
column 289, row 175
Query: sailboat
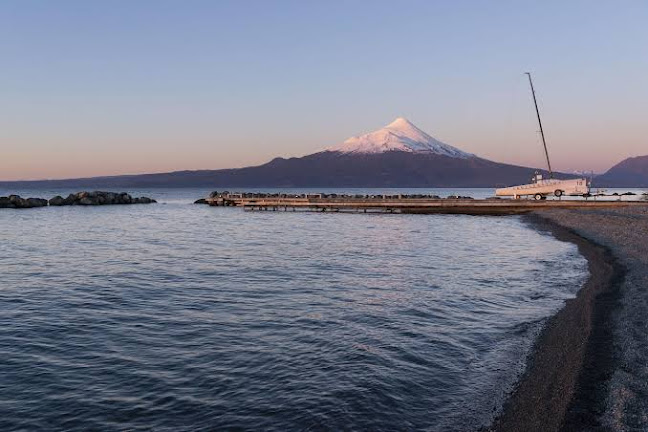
column 540, row 188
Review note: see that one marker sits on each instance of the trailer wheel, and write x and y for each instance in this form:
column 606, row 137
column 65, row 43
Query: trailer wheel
column 537, row 197
column 558, row 193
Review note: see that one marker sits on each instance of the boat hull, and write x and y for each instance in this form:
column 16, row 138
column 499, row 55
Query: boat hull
column 555, row 187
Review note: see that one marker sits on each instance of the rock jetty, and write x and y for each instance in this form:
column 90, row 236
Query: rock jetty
column 15, row 201
column 227, row 194
column 98, row 198
column 81, row 198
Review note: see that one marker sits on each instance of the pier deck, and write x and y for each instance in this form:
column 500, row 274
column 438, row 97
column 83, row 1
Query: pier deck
column 413, row 205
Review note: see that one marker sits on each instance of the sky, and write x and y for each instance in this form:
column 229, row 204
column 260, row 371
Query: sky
column 123, row 86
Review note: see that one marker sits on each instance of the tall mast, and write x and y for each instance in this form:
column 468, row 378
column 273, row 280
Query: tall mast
column 544, row 143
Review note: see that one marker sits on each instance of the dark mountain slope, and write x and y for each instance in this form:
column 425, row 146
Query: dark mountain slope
column 631, row 172
column 325, row 169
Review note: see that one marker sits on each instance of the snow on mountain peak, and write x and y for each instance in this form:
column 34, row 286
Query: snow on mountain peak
column 399, row 135
column 401, row 123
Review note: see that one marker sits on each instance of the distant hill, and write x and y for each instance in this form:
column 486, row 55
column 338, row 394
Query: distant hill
column 631, row 172
column 398, row 155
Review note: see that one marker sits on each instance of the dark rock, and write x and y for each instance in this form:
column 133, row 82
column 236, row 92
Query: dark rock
column 124, row 198
column 201, row 201
column 99, row 198
column 15, row 201
column 5, row 202
column 86, row 201
column 36, row 202
column 57, row 201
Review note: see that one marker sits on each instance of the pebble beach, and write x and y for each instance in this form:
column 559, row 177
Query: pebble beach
column 588, row 371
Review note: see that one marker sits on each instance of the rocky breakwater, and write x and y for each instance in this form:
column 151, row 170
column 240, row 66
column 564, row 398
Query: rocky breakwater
column 15, row 201
column 98, row 198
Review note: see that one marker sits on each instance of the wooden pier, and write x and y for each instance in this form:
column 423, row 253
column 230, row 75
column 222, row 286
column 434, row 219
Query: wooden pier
column 377, row 204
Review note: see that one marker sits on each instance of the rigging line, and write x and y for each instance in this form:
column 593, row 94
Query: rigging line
column 544, row 143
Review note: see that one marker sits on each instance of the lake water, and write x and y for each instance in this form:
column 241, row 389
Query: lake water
column 176, row 316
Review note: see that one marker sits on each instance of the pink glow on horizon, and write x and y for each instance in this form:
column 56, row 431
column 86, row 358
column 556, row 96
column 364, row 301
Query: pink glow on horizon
column 109, row 88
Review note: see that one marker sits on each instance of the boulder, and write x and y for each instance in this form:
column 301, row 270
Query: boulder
column 36, row 202
column 87, row 201
column 201, row 201
column 80, row 198
column 57, row 201
column 125, row 198
column 5, row 202
column 100, row 198
column 15, row 201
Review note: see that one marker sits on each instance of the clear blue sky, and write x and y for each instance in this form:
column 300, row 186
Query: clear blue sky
column 110, row 87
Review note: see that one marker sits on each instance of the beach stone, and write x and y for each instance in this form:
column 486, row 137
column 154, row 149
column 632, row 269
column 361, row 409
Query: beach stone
column 623, row 389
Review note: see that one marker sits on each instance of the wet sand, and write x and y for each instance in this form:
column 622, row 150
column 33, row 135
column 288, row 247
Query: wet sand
column 589, row 370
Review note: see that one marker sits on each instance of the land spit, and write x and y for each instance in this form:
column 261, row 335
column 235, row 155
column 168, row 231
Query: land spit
column 425, row 204
column 81, row 198
column 588, row 369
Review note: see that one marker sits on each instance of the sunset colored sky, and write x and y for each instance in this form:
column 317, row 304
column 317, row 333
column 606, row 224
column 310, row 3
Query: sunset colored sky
column 113, row 87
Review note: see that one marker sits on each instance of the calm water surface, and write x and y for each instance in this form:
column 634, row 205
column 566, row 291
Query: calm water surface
column 180, row 317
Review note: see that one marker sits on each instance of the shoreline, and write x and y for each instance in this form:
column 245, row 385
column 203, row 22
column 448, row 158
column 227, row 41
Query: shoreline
column 563, row 387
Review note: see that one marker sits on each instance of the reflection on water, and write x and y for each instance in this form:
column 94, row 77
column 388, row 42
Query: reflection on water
column 176, row 316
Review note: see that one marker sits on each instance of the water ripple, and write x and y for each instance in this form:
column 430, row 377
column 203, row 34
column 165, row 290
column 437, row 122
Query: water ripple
column 177, row 317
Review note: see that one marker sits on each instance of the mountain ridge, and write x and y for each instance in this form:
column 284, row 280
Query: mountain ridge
column 323, row 169
column 630, row 172
column 397, row 155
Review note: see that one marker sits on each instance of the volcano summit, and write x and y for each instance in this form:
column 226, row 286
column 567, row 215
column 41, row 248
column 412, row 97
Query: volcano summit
column 399, row 135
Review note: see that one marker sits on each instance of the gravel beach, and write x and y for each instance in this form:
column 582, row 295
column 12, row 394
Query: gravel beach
column 589, row 370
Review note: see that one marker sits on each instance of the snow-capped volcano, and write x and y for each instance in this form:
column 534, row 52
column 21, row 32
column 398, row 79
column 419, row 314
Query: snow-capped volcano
column 399, row 135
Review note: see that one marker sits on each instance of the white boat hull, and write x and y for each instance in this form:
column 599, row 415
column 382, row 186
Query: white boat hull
column 543, row 188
